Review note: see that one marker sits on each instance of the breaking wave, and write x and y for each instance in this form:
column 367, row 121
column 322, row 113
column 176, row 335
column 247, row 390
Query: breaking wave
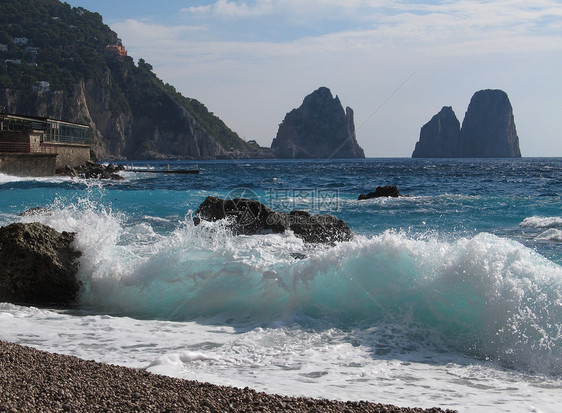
column 485, row 295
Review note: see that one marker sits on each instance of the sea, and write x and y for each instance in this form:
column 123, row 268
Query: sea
column 449, row 296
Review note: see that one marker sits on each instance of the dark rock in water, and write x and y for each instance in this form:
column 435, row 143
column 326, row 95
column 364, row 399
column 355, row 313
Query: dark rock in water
column 382, row 191
column 245, row 216
column 488, row 129
column 440, row 137
column 323, row 229
column 251, row 217
column 92, row 170
column 37, row 265
column 319, row 128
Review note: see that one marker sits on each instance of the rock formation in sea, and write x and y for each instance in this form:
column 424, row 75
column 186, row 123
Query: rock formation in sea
column 251, row 217
column 37, row 265
column 319, row 128
column 488, row 130
column 388, row 191
column 440, row 137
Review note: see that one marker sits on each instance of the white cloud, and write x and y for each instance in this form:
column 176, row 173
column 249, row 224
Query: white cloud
column 485, row 12
column 140, row 31
column 484, row 25
column 226, row 8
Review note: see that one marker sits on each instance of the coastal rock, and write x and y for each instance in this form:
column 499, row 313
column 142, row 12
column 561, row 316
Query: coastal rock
column 382, row 191
column 246, row 216
column 92, row 170
column 440, row 137
column 488, row 129
column 37, row 265
column 324, row 229
column 251, row 217
column 319, row 128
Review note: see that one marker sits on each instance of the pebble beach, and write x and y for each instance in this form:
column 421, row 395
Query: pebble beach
column 32, row 380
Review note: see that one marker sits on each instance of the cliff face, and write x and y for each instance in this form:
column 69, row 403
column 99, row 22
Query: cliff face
column 132, row 113
column 125, row 131
column 85, row 109
column 440, row 137
column 488, row 130
column 319, row 128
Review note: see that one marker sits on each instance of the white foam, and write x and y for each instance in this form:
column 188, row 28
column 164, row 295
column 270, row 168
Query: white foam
column 484, row 295
column 380, row 363
column 552, row 234
column 542, row 222
column 6, row 179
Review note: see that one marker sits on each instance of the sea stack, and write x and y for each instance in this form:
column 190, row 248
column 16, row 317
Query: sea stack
column 319, row 128
column 488, row 130
column 440, row 137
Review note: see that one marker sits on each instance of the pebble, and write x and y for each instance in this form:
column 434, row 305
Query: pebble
column 30, row 379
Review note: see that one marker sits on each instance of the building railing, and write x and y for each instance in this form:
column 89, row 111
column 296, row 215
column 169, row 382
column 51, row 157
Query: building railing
column 52, row 130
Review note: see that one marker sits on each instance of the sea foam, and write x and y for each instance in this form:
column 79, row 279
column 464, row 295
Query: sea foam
column 485, row 295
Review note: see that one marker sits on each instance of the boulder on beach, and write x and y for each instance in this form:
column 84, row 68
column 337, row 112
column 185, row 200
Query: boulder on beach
column 37, row 265
column 250, row 217
column 382, row 191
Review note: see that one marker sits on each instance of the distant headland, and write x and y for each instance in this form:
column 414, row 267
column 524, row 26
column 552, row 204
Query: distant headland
column 77, row 69
column 488, row 130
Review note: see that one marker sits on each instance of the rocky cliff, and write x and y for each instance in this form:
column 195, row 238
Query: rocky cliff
column 319, row 128
column 132, row 113
column 488, row 130
column 440, row 137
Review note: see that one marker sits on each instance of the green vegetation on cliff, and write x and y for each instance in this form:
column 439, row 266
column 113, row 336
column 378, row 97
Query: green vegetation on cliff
column 54, row 54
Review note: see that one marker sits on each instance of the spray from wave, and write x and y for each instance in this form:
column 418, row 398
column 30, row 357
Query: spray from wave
column 484, row 295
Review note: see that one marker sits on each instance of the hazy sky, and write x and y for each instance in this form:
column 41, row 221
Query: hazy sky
column 395, row 63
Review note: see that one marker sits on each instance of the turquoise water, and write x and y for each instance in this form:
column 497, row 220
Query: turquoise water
column 464, row 270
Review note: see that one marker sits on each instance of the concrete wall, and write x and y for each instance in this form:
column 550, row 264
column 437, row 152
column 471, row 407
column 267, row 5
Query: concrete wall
column 28, row 164
column 69, row 154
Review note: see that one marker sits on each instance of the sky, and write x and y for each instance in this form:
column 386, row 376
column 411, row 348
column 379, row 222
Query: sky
column 396, row 63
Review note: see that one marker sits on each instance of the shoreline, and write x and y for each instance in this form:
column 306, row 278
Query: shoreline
column 35, row 380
